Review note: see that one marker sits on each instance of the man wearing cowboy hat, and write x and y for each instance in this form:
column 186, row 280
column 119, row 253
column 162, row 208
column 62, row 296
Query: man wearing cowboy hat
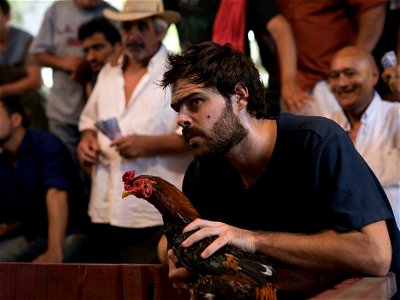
column 128, row 231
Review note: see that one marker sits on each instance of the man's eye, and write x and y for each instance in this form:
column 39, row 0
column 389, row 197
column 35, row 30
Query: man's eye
column 195, row 101
column 349, row 73
column 142, row 26
column 98, row 47
column 334, row 75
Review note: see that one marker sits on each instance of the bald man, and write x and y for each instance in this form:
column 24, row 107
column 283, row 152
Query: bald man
column 372, row 123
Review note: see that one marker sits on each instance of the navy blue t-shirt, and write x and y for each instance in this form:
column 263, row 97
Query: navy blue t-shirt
column 315, row 180
column 42, row 162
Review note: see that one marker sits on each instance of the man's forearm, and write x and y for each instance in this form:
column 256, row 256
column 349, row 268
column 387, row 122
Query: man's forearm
column 367, row 251
column 28, row 83
column 370, row 27
column 57, row 211
column 167, row 144
column 49, row 60
column 286, row 48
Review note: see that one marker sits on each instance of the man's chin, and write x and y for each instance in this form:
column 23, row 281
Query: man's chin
column 96, row 67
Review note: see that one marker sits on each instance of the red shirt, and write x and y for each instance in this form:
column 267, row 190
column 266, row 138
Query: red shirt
column 320, row 28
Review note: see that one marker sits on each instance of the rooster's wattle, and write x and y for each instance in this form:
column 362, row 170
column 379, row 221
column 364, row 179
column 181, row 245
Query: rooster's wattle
column 229, row 273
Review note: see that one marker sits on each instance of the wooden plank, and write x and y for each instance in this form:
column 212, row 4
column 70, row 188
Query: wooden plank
column 362, row 288
column 153, row 283
column 20, row 281
column 99, row 282
column 7, row 284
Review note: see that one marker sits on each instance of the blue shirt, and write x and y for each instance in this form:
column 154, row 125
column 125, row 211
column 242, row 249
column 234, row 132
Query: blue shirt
column 42, row 162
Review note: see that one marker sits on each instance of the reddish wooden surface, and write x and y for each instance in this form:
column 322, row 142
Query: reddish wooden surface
column 20, row 281
column 362, row 288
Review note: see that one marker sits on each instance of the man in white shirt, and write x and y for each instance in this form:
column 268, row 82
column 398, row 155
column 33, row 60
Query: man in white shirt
column 128, row 231
column 372, row 124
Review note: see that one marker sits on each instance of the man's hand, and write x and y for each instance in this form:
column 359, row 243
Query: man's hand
column 132, row 146
column 295, row 100
column 49, row 256
column 391, row 76
column 227, row 235
column 179, row 276
column 88, row 148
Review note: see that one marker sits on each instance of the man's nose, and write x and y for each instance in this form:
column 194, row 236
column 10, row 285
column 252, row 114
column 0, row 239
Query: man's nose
column 183, row 120
column 342, row 80
column 134, row 32
column 90, row 55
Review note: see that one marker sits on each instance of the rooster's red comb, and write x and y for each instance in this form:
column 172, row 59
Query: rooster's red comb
column 128, row 177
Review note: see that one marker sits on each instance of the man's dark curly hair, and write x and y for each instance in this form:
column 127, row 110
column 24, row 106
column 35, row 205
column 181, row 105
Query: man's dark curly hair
column 219, row 67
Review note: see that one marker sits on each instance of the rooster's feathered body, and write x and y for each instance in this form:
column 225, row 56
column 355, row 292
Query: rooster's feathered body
column 229, row 273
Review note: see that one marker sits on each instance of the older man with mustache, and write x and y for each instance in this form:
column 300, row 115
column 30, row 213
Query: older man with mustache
column 128, row 231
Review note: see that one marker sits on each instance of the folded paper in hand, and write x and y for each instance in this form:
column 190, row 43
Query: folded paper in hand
column 109, row 127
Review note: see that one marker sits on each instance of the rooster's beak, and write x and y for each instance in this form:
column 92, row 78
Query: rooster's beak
column 125, row 194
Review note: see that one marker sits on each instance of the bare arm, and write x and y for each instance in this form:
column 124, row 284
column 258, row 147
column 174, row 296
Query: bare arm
column 366, row 251
column 370, row 27
column 31, row 81
column 180, row 275
column 67, row 63
column 134, row 146
column 162, row 251
column 293, row 97
column 57, row 212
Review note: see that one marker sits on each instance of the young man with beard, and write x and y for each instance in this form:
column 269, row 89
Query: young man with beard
column 278, row 185
column 372, row 123
column 38, row 192
column 100, row 41
column 128, row 231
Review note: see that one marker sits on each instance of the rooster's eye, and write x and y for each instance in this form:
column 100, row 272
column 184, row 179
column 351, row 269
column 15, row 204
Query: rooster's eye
column 137, row 184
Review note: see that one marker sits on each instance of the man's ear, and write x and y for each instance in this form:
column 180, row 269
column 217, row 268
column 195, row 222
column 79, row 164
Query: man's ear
column 375, row 76
column 16, row 120
column 242, row 95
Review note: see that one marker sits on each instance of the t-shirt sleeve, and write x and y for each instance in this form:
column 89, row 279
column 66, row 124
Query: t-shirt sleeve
column 57, row 164
column 356, row 196
column 43, row 42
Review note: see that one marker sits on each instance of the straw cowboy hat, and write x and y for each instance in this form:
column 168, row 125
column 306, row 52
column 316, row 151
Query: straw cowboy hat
column 139, row 9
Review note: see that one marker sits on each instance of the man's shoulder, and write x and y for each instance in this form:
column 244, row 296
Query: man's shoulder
column 44, row 140
column 319, row 125
column 390, row 105
column 21, row 34
column 70, row 4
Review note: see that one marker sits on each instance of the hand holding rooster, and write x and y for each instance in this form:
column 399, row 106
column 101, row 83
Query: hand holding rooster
column 227, row 235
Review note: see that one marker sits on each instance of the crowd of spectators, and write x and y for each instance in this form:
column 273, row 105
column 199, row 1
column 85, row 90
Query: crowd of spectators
column 62, row 156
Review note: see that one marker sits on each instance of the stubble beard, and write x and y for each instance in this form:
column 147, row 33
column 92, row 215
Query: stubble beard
column 226, row 133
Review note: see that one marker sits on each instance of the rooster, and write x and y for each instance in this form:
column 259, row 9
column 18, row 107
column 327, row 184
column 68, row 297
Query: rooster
column 229, row 273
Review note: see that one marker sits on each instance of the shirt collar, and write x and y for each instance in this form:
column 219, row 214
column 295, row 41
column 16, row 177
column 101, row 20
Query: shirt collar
column 155, row 60
column 371, row 109
column 366, row 116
